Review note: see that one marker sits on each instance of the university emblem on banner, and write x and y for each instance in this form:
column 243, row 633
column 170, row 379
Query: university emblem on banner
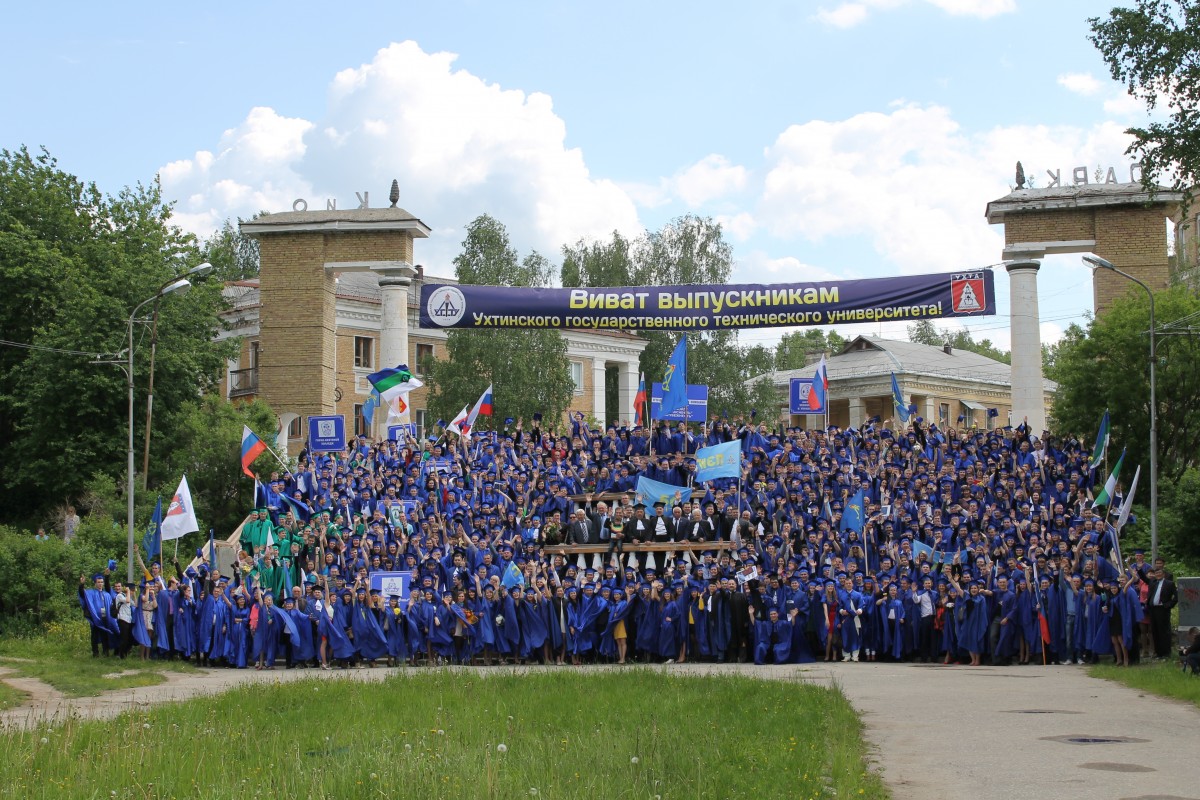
column 446, row 305
column 967, row 293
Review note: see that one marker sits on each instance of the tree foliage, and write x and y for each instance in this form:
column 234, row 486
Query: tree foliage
column 234, row 257
column 74, row 262
column 1153, row 48
column 528, row 369
column 1107, row 367
column 794, row 348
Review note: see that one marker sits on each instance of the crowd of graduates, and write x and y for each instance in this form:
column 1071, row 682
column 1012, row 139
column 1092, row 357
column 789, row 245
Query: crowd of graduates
column 884, row 543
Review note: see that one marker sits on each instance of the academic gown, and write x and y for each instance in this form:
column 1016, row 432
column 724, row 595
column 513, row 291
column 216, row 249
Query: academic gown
column 185, row 627
column 1006, row 645
column 330, row 627
column 799, row 651
column 395, row 630
column 96, row 604
column 368, row 636
column 240, row 637
column 618, row 613
column 302, row 645
column 141, row 634
column 266, row 636
column 534, row 628
column 167, row 600
column 892, row 624
column 648, row 616
column 720, row 624
column 508, row 632
column 672, row 628
column 697, row 624
column 772, row 641
column 973, row 624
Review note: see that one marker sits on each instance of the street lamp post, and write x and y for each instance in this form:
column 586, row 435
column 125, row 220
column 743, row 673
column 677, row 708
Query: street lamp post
column 198, row 271
column 177, row 285
column 1101, row 263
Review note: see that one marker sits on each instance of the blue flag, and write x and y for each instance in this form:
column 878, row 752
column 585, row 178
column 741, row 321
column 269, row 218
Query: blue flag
column 720, row 461
column 898, row 401
column 852, row 514
column 674, row 382
column 299, row 511
column 650, row 492
column 152, row 541
column 939, row 556
column 512, row 577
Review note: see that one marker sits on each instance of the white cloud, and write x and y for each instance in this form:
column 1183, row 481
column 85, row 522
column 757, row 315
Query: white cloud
column 757, row 266
column 911, row 181
column 709, row 178
column 850, row 14
column 847, row 15
column 1083, row 83
column 740, row 226
column 1123, row 105
column 458, row 145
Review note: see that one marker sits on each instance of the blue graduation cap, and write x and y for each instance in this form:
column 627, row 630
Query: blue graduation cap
column 992, row 412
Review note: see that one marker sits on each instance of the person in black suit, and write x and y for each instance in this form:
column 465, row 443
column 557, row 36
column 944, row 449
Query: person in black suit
column 1160, row 601
column 662, row 527
column 580, row 529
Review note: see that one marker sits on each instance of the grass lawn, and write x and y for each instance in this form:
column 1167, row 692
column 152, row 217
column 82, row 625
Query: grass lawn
column 63, row 659
column 565, row 734
column 1164, row 678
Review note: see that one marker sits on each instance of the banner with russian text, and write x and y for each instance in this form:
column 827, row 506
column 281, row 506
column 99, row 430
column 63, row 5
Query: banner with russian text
column 704, row 307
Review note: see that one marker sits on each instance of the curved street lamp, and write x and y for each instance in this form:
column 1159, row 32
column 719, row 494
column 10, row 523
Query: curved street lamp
column 176, row 285
column 1095, row 262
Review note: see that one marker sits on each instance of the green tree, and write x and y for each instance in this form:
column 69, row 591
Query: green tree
column 74, row 262
column 234, row 257
column 793, row 349
column 1106, row 367
column 599, row 263
column 1153, row 48
column 528, row 369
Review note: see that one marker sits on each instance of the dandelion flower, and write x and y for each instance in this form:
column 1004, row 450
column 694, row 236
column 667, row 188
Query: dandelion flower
column 634, row 760
column 44, row 740
column 441, row 732
column 408, row 748
column 146, row 725
column 502, row 748
column 374, row 776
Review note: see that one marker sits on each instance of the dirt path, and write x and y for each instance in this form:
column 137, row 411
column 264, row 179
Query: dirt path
column 936, row 732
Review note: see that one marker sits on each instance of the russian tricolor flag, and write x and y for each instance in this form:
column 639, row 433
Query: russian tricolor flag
column 484, row 406
column 252, row 448
column 820, row 389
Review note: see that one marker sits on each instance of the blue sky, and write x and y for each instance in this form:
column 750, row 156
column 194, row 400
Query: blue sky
column 832, row 138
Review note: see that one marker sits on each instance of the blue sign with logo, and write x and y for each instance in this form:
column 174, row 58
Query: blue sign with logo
column 397, row 432
column 803, row 399
column 697, row 410
column 391, row 583
column 327, row 434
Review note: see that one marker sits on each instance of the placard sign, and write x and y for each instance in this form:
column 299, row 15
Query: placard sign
column 391, row 583
column 327, row 434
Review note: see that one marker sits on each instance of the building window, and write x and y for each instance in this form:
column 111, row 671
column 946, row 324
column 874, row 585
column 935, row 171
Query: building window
column 577, row 376
column 419, row 417
column 364, row 352
column 294, row 428
column 424, row 354
column 968, row 416
column 360, row 422
column 252, row 355
column 943, row 415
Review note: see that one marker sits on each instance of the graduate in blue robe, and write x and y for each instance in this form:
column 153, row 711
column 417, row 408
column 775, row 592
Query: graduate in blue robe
column 892, row 623
column 610, row 646
column 302, row 645
column 535, row 628
column 972, row 621
column 796, row 613
column 239, row 638
column 772, row 639
column 368, row 636
column 441, row 627
column 1007, row 612
column 265, row 642
column 719, row 618
column 141, row 634
column 185, row 623
column 697, row 623
column 97, row 604
column 673, row 615
column 395, row 630
column 648, row 617
column 164, row 621
column 508, row 625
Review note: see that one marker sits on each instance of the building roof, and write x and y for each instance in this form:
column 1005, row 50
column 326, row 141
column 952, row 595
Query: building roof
column 335, row 220
column 1087, row 195
column 873, row 357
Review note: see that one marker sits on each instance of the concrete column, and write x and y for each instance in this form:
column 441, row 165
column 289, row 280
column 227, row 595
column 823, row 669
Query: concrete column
column 1028, row 396
column 931, row 410
column 629, row 386
column 858, row 412
column 598, row 367
column 394, row 283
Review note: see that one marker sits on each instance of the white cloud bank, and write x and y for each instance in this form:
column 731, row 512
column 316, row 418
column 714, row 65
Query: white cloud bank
column 458, row 145
column 850, row 14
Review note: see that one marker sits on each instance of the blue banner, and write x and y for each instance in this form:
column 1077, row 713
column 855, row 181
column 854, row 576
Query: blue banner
column 697, row 410
column 720, row 461
column 711, row 307
column 939, row 556
column 650, row 492
column 802, row 400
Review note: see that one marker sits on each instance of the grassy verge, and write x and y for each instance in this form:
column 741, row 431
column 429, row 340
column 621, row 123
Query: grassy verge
column 10, row 697
column 1164, row 678
column 636, row 734
column 63, row 658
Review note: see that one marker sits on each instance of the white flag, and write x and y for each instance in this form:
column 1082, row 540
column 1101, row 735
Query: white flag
column 180, row 517
column 1128, row 504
